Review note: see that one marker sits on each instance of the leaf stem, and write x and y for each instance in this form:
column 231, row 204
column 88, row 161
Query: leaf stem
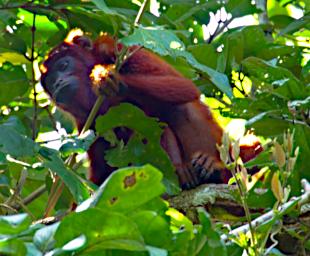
column 140, row 13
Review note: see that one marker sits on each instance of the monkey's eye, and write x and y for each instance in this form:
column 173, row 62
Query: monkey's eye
column 63, row 65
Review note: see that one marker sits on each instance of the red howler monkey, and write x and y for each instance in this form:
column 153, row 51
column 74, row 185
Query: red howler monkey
column 151, row 84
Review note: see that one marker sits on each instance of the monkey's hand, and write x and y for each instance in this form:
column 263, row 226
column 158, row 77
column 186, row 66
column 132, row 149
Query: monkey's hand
column 105, row 80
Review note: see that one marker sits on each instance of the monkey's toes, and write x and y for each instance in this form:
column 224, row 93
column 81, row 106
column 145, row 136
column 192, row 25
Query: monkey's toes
column 203, row 166
column 187, row 178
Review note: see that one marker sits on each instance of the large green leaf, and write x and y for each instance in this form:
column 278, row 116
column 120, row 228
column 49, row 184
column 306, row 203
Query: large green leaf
column 103, row 7
column 129, row 188
column 103, row 230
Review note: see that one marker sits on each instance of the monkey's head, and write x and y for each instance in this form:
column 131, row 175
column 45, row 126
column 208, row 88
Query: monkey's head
column 66, row 71
column 65, row 75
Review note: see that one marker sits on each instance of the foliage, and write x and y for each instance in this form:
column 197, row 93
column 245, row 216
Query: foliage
column 257, row 72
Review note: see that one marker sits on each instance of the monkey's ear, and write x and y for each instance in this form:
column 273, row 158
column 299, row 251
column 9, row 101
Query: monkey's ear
column 83, row 41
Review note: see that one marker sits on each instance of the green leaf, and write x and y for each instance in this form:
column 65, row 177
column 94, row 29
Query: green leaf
column 301, row 139
column 16, row 144
column 32, row 250
column 214, row 245
column 185, row 11
column 301, row 23
column 53, row 162
column 14, row 224
column 12, row 247
column 305, row 72
column 220, row 80
column 78, row 145
column 142, row 146
column 12, row 42
column 103, row 7
column 267, row 124
column 281, row 21
column 44, row 237
column 241, row 8
column 90, row 21
column 129, row 188
column 106, row 230
column 281, row 79
column 153, row 251
column 150, row 223
column 205, row 54
column 300, row 104
column 180, row 222
column 239, row 44
column 158, row 40
column 14, row 83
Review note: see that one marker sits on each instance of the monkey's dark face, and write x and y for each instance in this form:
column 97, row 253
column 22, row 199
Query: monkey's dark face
column 61, row 80
column 65, row 76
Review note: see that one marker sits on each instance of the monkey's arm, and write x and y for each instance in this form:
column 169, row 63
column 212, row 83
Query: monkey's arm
column 164, row 88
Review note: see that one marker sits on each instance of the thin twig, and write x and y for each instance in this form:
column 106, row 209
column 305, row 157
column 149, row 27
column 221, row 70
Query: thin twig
column 34, row 195
column 140, row 13
column 35, row 103
column 51, row 117
column 21, row 181
column 219, row 30
column 245, row 207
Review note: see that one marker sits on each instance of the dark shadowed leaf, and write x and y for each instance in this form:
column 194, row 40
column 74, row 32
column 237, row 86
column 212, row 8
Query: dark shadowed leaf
column 14, row 83
column 16, row 144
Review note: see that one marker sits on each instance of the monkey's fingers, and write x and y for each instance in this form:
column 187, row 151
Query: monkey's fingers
column 110, row 87
column 205, row 166
column 187, row 178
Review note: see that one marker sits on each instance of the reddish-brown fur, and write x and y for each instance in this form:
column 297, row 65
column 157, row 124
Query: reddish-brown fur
column 158, row 89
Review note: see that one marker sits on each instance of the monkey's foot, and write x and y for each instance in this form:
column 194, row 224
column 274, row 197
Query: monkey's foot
column 206, row 168
column 187, row 177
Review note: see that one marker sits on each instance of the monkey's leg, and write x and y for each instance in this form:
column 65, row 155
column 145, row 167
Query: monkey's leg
column 99, row 169
column 198, row 133
column 172, row 147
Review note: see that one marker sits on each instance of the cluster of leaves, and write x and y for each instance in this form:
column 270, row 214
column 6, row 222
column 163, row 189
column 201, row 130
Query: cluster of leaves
column 125, row 216
column 259, row 73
